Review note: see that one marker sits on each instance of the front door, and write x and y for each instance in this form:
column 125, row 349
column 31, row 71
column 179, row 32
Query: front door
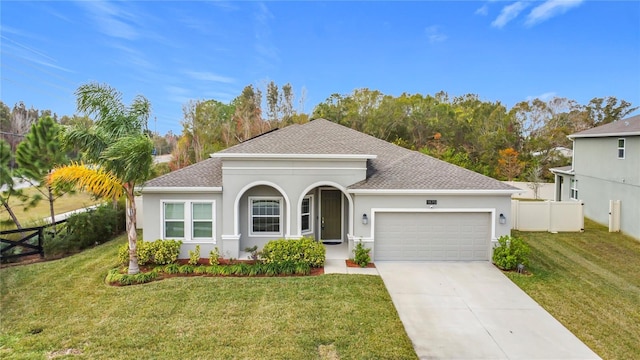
column 331, row 215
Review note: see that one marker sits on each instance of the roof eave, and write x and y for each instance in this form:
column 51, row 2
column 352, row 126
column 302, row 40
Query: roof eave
column 181, row 189
column 260, row 156
column 560, row 171
column 613, row 134
column 433, row 192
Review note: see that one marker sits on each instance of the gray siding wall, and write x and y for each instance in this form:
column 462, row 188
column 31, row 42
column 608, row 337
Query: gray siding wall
column 153, row 225
column 598, row 158
column 363, row 204
column 603, row 177
column 563, row 184
column 290, row 178
column 293, row 178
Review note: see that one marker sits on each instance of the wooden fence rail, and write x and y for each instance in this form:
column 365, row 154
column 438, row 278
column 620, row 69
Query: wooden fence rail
column 26, row 243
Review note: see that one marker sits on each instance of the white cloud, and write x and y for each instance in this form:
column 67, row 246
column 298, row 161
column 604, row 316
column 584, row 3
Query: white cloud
column 209, row 76
column 112, row 20
column 509, row 13
column 434, row 34
column 544, row 96
column 483, row 10
column 549, row 9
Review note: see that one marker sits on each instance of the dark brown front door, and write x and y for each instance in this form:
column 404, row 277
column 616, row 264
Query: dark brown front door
column 331, row 215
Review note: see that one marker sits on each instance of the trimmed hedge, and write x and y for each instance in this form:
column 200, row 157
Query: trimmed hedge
column 290, row 253
column 159, row 252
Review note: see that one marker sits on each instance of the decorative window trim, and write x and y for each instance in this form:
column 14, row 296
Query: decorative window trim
column 188, row 220
column 251, row 216
column 309, row 214
column 621, row 148
column 573, row 186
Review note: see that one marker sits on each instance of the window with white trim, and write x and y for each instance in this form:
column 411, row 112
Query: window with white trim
column 574, row 189
column 173, row 220
column 188, row 220
column 621, row 148
column 265, row 216
column 202, row 220
column 306, row 211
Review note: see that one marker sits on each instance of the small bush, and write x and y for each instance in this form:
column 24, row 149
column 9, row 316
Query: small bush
column 510, row 252
column 361, row 253
column 214, row 256
column 186, row 269
column 159, row 252
column 116, row 277
column 304, row 250
column 194, row 256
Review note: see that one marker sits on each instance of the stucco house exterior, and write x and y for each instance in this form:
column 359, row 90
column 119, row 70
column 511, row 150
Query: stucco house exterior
column 605, row 169
column 335, row 184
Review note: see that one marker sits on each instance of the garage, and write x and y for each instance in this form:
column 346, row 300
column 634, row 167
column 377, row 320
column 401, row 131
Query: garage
column 434, row 236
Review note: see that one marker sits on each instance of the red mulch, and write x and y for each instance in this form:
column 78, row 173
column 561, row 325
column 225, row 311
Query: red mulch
column 350, row 263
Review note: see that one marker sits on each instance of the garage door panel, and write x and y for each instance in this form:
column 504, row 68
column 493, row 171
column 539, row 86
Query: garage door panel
column 432, row 236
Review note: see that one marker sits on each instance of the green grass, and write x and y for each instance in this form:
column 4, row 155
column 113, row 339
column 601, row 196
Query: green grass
column 66, row 203
column 590, row 282
column 64, row 306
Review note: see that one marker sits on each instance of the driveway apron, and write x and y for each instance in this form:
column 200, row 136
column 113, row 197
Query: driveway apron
column 470, row 310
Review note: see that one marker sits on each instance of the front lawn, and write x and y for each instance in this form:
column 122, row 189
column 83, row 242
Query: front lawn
column 590, row 282
column 64, row 307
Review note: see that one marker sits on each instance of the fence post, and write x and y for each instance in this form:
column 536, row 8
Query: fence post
column 40, row 241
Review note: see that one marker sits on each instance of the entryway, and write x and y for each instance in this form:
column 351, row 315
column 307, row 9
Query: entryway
column 331, row 215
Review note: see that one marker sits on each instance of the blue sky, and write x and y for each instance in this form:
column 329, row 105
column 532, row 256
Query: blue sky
column 171, row 52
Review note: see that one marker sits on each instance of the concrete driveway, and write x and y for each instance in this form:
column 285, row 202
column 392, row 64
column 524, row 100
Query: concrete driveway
column 470, row 310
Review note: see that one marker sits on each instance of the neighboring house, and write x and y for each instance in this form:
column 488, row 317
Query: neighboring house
column 605, row 168
column 333, row 183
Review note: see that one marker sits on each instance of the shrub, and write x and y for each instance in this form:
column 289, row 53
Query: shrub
column 85, row 229
column 304, row 250
column 361, row 253
column 511, row 252
column 214, row 256
column 159, row 252
column 194, row 256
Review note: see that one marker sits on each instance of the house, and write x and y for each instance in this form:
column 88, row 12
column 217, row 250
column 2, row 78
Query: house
column 330, row 182
column 605, row 169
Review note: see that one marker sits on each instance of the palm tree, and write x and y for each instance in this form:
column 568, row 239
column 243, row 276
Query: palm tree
column 115, row 148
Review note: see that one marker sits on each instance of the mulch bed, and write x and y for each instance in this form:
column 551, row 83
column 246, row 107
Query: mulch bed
column 350, row 263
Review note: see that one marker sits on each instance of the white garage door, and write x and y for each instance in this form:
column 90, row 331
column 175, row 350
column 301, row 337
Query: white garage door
column 432, row 236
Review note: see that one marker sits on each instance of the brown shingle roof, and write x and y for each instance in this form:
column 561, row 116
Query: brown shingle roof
column 625, row 127
column 393, row 167
column 206, row 173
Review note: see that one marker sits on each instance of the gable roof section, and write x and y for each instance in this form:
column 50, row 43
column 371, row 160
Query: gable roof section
column 204, row 174
column 389, row 167
column 625, row 127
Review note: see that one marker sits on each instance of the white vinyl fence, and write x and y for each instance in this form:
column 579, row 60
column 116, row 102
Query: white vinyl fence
column 551, row 216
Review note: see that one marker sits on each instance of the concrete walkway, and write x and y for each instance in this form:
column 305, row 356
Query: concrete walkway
column 470, row 310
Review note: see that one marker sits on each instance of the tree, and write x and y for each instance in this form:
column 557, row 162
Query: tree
column 6, row 182
column 509, row 165
column 116, row 149
column 248, row 114
column 272, row 102
column 603, row 111
column 37, row 155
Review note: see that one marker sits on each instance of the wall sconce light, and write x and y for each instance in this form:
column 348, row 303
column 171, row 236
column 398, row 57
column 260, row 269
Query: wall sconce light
column 365, row 219
column 503, row 219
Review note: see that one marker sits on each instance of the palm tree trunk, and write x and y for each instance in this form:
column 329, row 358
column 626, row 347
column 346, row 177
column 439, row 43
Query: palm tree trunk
column 132, row 235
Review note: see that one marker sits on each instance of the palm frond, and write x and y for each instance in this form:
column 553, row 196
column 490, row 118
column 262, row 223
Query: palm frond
column 129, row 158
column 91, row 179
